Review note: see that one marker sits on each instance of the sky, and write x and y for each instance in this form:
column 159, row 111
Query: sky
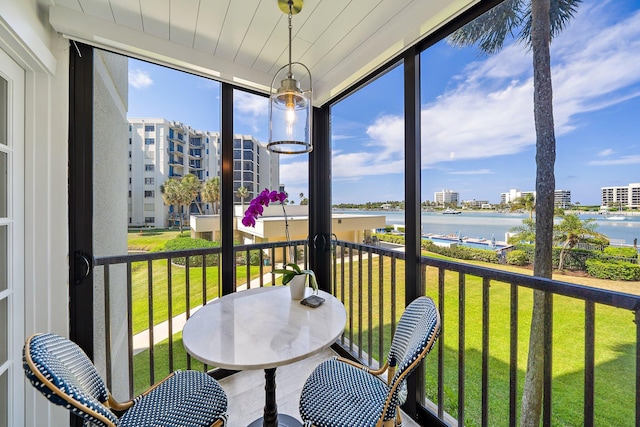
column 478, row 136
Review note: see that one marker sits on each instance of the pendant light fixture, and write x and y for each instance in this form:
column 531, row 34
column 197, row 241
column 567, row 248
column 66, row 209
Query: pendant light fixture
column 289, row 104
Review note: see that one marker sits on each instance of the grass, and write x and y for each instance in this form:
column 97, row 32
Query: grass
column 614, row 358
column 149, row 240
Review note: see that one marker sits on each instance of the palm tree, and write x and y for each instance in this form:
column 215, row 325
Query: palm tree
column 170, row 190
column 523, row 233
column 527, row 202
column 536, row 22
column 242, row 194
column 180, row 193
column 572, row 230
column 211, row 193
column 190, row 186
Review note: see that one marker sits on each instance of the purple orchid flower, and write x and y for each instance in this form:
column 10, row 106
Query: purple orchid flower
column 256, row 206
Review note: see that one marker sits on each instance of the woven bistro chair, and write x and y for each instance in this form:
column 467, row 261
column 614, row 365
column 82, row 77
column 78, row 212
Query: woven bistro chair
column 63, row 373
column 342, row 393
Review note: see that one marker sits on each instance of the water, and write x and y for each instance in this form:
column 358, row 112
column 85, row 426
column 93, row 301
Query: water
column 485, row 225
column 475, row 245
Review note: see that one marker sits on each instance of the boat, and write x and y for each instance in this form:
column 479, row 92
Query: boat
column 450, row 211
column 617, row 217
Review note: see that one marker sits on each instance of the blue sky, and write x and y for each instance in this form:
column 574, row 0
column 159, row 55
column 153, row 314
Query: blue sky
column 477, row 116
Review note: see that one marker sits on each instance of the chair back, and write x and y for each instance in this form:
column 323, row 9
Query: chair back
column 417, row 331
column 64, row 374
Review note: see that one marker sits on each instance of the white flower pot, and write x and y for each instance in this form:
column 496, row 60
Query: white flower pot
column 297, row 286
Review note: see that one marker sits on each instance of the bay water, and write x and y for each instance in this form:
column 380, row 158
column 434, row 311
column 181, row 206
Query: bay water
column 485, row 225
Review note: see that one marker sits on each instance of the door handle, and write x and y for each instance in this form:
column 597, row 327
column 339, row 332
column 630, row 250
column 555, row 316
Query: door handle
column 83, row 267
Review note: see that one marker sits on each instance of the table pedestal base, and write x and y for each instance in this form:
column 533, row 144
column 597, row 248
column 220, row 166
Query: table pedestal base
column 271, row 418
column 283, row 421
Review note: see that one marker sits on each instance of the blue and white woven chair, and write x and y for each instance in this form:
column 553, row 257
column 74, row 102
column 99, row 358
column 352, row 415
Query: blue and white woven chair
column 64, row 374
column 341, row 393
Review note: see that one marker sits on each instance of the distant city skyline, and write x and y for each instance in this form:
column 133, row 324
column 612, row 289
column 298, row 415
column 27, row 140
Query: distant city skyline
column 477, row 116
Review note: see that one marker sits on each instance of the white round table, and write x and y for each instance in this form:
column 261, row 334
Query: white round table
column 263, row 328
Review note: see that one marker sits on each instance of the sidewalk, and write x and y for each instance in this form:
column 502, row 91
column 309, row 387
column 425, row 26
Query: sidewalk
column 161, row 330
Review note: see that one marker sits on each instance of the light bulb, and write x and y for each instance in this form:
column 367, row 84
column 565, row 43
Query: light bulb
column 291, row 119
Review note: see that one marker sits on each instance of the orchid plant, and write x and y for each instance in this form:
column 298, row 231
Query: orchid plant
column 255, row 209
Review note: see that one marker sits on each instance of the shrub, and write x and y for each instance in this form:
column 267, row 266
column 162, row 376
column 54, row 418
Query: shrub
column 614, row 270
column 621, row 252
column 182, row 243
column 517, row 257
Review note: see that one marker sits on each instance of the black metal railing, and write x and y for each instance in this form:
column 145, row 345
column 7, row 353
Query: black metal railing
column 499, row 303
column 162, row 289
column 475, row 373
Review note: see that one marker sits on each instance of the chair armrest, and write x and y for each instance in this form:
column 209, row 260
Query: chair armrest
column 123, row 406
column 375, row 372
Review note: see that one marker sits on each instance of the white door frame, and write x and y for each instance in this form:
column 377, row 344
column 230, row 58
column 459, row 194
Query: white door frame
column 11, row 72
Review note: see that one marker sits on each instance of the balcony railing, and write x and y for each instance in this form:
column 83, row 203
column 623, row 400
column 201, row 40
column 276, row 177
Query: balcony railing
column 475, row 373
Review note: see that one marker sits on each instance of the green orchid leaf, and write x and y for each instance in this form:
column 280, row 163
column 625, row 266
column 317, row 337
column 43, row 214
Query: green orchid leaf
column 295, row 266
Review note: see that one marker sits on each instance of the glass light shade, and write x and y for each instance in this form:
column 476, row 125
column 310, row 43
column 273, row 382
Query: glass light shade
column 289, row 117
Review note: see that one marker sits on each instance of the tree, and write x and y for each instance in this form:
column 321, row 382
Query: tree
column 527, row 202
column 170, row 190
column 536, row 23
column 572, row 230
column 211, row 193
column 523, row 233
column 242, row 194
column 303, row 200
column 181, row 193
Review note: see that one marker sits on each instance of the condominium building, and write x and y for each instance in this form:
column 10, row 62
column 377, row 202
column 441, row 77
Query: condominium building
column 446, row 197
column 513, row 194
column 562, row 199
column 628, row 195
column 160, row 149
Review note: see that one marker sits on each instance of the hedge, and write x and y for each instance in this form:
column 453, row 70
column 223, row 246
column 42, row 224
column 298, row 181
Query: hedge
column 181, row 243
column 517, row 257
column 621, row 252
column 614, row 270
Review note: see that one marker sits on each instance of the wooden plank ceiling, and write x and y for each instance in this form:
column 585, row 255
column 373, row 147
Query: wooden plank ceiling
column 245, row 41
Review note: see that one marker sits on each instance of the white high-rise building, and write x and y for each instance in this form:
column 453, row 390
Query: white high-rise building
column 446, row 196
column 562, row 199
column 513, row 194
column 160, row 149
column 628, row 195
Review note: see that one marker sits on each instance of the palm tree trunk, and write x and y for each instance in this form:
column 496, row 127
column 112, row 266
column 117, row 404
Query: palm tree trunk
column 562, row 253
column 545, row 188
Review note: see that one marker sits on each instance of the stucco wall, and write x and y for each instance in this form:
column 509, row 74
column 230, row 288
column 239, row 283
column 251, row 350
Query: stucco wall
column 110, row 212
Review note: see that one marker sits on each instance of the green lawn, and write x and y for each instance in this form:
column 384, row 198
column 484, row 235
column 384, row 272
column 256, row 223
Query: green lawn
column 150, row 240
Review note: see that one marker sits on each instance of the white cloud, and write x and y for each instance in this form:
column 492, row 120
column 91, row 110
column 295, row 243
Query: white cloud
column 139, row 79
column 624, row 160
column 489, row 111
column 605, row 153
column 473, row 172
column 252, row 111
column 250, row 104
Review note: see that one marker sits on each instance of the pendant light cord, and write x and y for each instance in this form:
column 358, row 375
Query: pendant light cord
column 290, row 15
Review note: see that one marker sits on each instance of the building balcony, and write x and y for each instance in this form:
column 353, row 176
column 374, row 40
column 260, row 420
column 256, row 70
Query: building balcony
column 475, row 373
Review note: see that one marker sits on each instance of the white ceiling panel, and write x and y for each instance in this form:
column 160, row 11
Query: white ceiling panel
column 154, row 17
column 239, row 17
column 338, row 36
column 183, row 18
column 247, row 41
column 212, row 15
column 265, row 22
column 127, row 13
column 69, row 4
column 98, row 8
